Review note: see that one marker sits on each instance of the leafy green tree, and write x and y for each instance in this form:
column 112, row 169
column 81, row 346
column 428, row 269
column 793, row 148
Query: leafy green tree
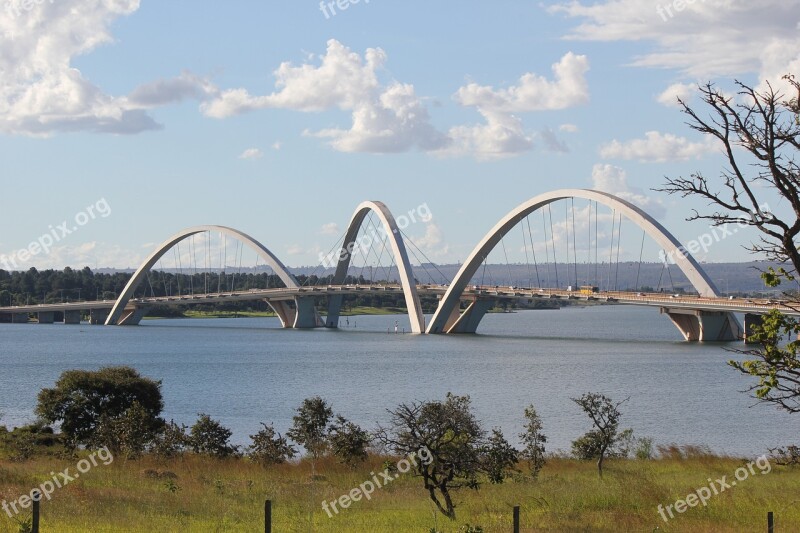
column 269, row 447
column 348, row 441
column 209, row 437
column 533, row 441
column 171, row 441
column 499, row 457
column 81, row 399
column 605, row 416
column 310, row 426
column 129, row 434
column 449, row 435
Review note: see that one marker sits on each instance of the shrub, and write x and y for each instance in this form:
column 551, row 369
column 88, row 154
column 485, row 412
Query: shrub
column 207, row 436
column 269, row 447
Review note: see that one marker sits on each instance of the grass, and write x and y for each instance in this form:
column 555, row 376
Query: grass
column 202, row 494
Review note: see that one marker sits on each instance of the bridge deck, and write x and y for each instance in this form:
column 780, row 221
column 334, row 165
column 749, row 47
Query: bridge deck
column 666, row 300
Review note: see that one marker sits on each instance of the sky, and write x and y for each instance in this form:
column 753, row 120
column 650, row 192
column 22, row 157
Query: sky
column 131, row 120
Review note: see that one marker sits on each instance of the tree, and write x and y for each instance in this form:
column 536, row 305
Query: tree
column 348, row 441
column 310, row 426
column 171, row 441
column 761, row 131
column 533, row 440
column 207, row 436
column 128, row 434
column 269, row 447
column 452, row 438
column 605, row 417
column 81, row 399
column 499, row 457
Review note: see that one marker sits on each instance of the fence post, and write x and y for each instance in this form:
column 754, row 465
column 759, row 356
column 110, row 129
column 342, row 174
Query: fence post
column 35, row 524
column 268, row 516
column 770, row 522
column 516, row 519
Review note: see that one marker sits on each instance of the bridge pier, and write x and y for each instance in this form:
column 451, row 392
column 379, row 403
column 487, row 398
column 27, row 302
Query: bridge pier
column 470, row 318
column 303, row 315
column 20, row 318
column 334, row 311
column 72, row 317
column 48, row 317
column 751, row 320
column 704, row 326
column 132, row 317
column 97, row 317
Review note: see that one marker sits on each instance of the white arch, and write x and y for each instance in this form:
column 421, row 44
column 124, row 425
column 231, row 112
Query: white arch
column 451, row 300
column 140, row 274
column 401, row 259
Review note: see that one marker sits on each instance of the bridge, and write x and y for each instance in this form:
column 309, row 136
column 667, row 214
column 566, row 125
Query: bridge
column 462, row 303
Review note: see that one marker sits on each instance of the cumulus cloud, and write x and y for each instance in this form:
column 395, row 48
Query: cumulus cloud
column 42, row 93
column 251, row 153
column 385, row 118
column 503, row 133
column 704, row 40
column 533, row 92
column 568, row 128
column 331, row 228
column 671, row 94
column 432, row 241
column 614, row 180
column 657, row 147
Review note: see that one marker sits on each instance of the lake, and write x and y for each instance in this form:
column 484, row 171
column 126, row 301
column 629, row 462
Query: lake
column 246, row 371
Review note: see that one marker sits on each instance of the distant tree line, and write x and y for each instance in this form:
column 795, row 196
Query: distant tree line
column 53, row 286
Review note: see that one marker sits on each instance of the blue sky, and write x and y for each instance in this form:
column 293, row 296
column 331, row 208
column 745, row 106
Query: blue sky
column 276, row 119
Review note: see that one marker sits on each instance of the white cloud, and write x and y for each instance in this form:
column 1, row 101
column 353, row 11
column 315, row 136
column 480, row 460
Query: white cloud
column 162, row 92
column 533, row 92
column 657, row 147
column 503, row 134
column 432, row 241
column 295, row 249
column 568, row 128
column 670, row 96
column 331, row 228
column 251, row 153
column 277, row 145
column 614, row 180
column 552, row 143
column 705, row 40
column 385, row 118
column 42, row 93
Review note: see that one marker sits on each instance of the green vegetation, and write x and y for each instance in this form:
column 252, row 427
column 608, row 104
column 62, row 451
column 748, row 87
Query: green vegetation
column 439, row 471
column 199, row 494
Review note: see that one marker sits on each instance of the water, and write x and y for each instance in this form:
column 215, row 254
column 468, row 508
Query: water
column 246, row 371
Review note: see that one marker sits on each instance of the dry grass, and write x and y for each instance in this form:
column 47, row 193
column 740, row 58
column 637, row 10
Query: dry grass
column 202, row 494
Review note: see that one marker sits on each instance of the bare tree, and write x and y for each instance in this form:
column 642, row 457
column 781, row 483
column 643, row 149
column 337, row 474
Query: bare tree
column 766, row 126
column 760, row 131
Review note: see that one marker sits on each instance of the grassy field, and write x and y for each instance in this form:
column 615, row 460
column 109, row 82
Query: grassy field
column 201, row 494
